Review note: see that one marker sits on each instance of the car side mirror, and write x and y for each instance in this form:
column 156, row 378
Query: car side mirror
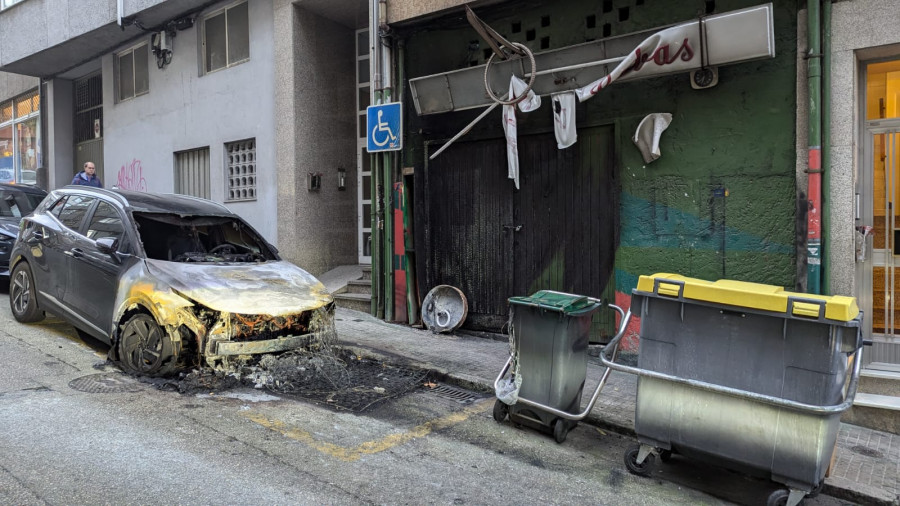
column 108, row 245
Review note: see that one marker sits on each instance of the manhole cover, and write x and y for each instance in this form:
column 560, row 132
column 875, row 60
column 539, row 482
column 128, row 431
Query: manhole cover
column 105, row 383
column 454, row 394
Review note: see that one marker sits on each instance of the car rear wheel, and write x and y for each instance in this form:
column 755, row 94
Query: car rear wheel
column 145, row 348
column 22, row 299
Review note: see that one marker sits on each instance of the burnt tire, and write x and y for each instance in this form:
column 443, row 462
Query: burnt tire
column 816, row 490
column 778, row 498
column 642, row 469
column 500, row 411
column 145, row 348
column 560, row 430
column 23, row 296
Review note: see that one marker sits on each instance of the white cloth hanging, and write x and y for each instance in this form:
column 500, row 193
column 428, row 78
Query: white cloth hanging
column 531, row 102
column 646, row 136
column 564, row 119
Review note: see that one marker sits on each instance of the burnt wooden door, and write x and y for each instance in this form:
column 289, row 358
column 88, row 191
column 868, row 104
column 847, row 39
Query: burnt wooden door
column 558, row 231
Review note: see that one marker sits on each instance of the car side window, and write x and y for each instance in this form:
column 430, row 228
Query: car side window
column 73, row 211
column 105, row 223
column 57, row 207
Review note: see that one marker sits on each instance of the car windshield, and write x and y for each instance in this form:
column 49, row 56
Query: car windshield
column 208, row 239
column 15, row 204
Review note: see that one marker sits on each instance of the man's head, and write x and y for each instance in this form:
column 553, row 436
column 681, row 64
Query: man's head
column 89, row 168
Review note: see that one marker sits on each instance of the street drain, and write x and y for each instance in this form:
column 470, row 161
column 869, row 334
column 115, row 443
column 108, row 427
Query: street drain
column 105, row 383
column 454, row 394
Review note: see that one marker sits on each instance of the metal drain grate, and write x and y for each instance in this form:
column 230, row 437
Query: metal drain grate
column 342, row 381
column 454, row 394
column 105, row 383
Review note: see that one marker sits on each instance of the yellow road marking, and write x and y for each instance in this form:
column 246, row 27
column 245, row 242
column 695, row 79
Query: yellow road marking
column 369, row 447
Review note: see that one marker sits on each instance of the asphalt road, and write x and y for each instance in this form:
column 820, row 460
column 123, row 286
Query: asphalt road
column 77, row 431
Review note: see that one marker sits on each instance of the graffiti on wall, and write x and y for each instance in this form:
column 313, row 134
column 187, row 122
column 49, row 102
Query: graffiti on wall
column 131, row 177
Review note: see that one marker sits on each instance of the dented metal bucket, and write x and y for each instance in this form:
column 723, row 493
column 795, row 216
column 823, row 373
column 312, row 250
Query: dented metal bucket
column 444, row 309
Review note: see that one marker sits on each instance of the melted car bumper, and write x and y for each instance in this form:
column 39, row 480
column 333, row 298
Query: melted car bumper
column 231, row 348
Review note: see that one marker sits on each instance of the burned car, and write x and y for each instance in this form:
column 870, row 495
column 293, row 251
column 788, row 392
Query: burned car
column 168, row 281
column 16, row 201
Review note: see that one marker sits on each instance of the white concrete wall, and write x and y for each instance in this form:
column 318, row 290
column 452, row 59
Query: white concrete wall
column 185, row 110
column 315, row 93
column 29, row 27
column 860, row 29
column 60, row 111
column 13, row 85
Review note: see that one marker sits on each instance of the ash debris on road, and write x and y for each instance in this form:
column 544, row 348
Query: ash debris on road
column 327, row 375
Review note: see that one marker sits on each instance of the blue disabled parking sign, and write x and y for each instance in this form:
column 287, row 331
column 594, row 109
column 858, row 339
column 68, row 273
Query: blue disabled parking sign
column 383, row 124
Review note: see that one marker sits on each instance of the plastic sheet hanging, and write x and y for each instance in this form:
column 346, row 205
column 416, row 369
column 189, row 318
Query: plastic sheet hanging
column 507, row 390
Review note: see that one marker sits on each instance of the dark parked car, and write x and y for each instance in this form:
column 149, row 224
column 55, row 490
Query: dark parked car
column 169, row 281
column 16, row 201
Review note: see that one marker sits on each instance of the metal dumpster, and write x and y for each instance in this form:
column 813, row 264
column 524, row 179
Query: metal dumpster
column 743, row 375
column 549, row 334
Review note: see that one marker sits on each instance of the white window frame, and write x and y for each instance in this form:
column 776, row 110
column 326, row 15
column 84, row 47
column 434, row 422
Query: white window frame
column 118, row 76
column 363, row 229
column 224, row 10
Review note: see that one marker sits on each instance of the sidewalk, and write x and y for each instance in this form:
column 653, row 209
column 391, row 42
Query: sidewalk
column 867, row 464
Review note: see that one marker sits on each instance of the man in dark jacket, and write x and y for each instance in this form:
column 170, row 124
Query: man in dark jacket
column 87, row 177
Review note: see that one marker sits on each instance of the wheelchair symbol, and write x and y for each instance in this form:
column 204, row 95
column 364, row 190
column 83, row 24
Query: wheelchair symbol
column 383, row 128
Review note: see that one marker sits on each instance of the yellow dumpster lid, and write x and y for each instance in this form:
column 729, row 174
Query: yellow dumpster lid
column 750, row 295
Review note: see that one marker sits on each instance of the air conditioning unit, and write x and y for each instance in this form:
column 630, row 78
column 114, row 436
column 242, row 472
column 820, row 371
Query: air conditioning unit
column 703, row 78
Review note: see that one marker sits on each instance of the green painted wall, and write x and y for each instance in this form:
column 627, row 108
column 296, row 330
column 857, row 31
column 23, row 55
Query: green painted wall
column 721, row 200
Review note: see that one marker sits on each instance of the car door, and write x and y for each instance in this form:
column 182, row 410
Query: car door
column 94, row 274
column 53, row 240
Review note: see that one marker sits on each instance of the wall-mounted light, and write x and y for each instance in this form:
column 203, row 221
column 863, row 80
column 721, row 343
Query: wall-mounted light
column 342, row 179
column 314, row 181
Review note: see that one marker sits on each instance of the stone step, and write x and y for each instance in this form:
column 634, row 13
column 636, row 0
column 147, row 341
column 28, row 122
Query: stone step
column 357, row 301
column 361, row 286
column 879, row 382
column 366, row 271
column 877, row 402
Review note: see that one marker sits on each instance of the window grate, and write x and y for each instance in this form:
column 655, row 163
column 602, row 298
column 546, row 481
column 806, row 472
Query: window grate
column 88, row 108
column 192, row 172
column 240, row 170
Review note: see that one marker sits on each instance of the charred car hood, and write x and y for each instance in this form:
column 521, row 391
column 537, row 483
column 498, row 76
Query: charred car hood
column 272, row 288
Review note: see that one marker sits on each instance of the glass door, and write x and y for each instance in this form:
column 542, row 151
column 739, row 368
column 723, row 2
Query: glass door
column 879, row 216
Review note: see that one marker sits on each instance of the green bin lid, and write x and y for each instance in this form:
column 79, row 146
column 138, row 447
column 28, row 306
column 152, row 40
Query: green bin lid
column 550, row 300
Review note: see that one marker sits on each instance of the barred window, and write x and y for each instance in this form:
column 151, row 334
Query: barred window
column 192, row 172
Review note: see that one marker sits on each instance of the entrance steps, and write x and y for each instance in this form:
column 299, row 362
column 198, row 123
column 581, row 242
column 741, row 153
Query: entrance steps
column 877, row 402
column 354, row 292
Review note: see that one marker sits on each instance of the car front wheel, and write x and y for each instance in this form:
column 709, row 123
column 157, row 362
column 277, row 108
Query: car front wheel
column 22, row 299
column 145, row 348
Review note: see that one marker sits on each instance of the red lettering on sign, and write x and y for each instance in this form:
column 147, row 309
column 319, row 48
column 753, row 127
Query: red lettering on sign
column 661, row 56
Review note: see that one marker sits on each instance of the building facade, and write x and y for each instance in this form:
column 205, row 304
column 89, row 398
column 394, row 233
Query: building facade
column 865, row 165
column 235, row 101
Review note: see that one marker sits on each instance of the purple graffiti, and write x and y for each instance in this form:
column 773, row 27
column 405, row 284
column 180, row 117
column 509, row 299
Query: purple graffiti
column 131, row 177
